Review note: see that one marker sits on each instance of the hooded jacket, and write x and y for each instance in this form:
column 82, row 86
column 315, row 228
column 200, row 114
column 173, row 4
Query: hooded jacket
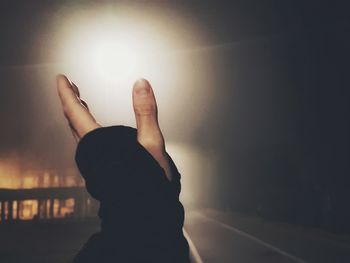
column 141, row 215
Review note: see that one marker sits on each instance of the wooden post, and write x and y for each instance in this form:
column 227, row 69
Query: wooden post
column 60, row 204
column 51, row 207
column 18, row 209
column 44, row 209
column 10, row 210
column 2, row 211
column 38, row 211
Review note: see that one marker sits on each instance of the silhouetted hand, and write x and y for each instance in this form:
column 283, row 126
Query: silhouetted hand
column 149, row 135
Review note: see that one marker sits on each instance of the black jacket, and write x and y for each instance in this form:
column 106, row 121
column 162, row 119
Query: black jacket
column 141, row 215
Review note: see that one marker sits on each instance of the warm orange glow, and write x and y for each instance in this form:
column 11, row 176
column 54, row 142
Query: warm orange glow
column 29, row 208
column 15, row 175
column 9, row 174
column 68, row 207
column 56, row 208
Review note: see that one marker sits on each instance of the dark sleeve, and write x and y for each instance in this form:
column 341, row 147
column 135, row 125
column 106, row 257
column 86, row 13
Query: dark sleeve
column 137, row 201
column 110, row 159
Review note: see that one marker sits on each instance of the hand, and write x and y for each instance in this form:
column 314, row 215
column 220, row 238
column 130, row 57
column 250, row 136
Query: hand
column 149, row 135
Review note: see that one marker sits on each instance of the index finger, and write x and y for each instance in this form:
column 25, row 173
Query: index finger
column 78, row 116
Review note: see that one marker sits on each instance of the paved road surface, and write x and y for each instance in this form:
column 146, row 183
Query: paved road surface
column 218, row 243
column 223, row 241
column 219, row 238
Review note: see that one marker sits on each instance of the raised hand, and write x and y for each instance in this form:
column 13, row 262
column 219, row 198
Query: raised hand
column 149, row 135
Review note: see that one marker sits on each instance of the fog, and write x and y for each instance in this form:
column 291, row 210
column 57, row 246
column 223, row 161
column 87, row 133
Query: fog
column 252, row 100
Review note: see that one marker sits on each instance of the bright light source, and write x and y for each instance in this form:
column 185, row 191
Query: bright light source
column 114, row 59
column 106, row 52
column 105, row 49
column 113, row 50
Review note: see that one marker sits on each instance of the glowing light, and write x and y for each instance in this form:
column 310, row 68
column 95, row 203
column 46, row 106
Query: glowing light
column 28, row 209
column 112, row 59
column 112, row 50
column 105, row 50
column 68, row 207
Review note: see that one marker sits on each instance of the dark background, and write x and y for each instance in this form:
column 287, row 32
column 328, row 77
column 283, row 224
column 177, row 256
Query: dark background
column 276, row 121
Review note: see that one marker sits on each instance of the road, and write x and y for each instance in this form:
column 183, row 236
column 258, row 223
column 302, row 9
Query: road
column 217, row 241
column 218, row 237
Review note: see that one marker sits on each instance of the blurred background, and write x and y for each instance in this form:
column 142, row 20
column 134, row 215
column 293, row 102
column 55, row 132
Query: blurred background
column 253, row 102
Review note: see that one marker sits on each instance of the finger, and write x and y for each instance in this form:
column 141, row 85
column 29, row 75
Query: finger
column 148, row 130
column 146, row 113
column 74, row 133
column 78, row 116
column 84, row 104
column 75, row 89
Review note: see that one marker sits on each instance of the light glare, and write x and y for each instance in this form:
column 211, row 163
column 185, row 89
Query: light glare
column 113, row 59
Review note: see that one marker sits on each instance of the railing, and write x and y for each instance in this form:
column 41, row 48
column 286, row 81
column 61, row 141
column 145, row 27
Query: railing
column 46, row 203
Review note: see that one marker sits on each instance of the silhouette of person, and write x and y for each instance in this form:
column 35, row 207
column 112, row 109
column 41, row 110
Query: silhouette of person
column 137, row 183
